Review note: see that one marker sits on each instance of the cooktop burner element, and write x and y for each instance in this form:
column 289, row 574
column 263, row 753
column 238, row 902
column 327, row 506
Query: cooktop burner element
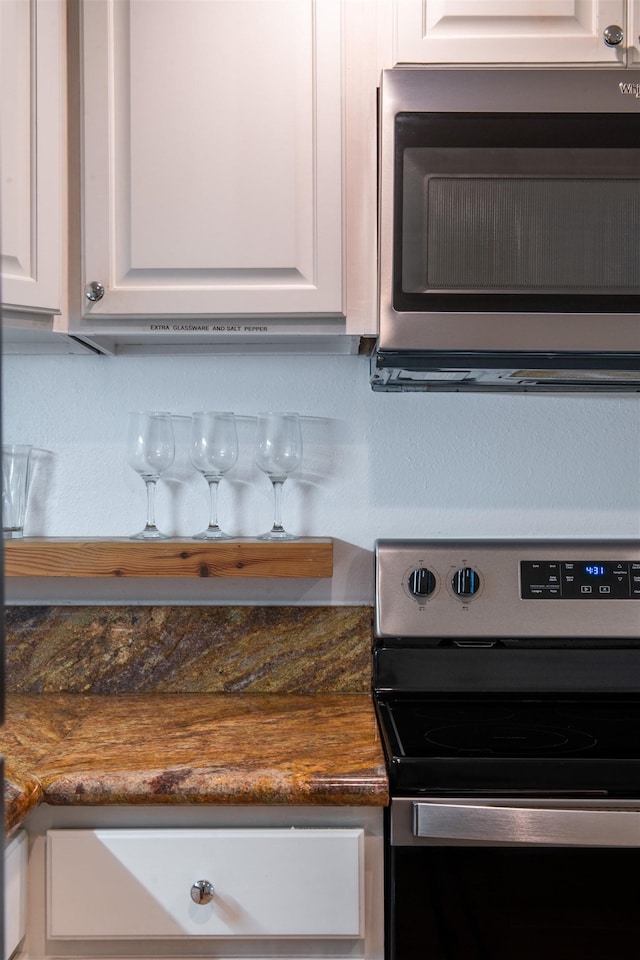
column 506, row 740
column 498, row 739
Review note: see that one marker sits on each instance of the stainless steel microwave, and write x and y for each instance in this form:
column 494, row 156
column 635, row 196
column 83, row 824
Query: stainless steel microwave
column 509, row 218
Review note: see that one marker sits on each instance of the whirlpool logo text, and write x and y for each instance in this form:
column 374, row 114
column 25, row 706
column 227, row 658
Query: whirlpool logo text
column 630, row 89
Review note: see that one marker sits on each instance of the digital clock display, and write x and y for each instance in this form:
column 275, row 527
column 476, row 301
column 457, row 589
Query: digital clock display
column 594, row 569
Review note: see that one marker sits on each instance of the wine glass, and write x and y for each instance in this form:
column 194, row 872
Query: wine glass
column 150, row 450
column 278, row 453
column 213, row 450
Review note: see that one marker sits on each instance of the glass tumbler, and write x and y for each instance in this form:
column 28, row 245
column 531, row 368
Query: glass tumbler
column 16, row 461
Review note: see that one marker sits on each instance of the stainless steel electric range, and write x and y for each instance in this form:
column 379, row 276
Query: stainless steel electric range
column 507, row 688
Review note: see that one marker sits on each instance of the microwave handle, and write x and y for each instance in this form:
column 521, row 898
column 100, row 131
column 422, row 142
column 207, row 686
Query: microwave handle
column 527, row 825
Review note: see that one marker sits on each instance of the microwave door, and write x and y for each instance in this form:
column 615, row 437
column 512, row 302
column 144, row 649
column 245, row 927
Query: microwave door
column 504, row 214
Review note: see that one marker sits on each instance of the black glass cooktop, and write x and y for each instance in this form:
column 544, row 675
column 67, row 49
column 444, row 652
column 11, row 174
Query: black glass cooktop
column 515, row 744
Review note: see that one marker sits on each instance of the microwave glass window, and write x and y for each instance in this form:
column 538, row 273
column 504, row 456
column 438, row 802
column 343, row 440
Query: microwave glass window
column 523, row 234
column 509, row 213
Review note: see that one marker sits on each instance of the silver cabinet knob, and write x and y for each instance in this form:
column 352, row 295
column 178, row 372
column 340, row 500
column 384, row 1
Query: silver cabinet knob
column 202, row 892
column 94, row 291
column 613, row 35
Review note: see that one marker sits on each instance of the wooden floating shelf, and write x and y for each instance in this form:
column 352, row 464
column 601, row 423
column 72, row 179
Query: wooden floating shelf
column 179, row 557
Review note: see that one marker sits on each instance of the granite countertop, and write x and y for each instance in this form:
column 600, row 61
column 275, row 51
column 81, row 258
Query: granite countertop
column 142, row 748
column 184, row 705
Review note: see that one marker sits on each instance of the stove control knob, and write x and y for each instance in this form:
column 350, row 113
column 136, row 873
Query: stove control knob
column 465, row 582
column 421, row 583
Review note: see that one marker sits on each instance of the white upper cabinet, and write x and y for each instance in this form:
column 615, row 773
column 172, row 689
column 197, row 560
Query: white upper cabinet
column 211, row 159
column 515, row 31
column 633, row 32
column 32, row 151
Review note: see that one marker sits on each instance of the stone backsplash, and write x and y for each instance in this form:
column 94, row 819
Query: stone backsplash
column 173, row 649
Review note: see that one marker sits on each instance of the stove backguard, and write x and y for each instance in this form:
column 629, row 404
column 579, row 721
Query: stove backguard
column 550, row 592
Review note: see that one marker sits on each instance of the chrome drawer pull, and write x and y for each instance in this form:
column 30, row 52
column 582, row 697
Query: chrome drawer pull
column 202, row 892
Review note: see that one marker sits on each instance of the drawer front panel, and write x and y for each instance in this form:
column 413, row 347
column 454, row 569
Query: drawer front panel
column 267, row 883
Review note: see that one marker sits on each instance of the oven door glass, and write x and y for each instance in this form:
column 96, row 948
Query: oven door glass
column 487, row 903
column 500, row 212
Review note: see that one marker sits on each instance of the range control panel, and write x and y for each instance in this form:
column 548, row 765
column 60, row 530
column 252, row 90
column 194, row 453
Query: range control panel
column 440, row 589
column 579, row 580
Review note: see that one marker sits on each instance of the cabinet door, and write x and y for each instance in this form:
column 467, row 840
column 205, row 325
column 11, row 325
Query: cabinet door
column 508, row 31
column 633, row 32
column 15, row 891
column 259, row 883
column 31, row 157
column 211, row 157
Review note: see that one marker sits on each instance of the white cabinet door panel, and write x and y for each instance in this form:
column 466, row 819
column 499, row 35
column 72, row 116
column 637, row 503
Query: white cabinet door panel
column 267, row 883
column 31, row 145
column 633, row 31
column 15, row 892
column 212, row 156
column 508, row 31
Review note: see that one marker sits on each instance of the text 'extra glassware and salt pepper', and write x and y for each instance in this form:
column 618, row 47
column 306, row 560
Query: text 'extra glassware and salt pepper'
column 213, row 452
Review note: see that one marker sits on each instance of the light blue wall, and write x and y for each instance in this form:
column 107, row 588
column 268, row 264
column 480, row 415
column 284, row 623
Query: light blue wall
column 375, row 465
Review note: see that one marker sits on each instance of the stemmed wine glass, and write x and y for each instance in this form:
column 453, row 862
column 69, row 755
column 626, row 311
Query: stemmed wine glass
column 278, row 453
column 150, row 450
column 213, row 450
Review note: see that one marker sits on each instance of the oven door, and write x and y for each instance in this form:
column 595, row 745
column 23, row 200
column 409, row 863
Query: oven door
column 493, row 879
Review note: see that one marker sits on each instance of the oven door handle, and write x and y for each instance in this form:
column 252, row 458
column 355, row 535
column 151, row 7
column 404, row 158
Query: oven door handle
column 526, row 825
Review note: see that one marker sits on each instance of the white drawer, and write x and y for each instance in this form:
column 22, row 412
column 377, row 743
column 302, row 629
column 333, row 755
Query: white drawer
column 267, row 883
